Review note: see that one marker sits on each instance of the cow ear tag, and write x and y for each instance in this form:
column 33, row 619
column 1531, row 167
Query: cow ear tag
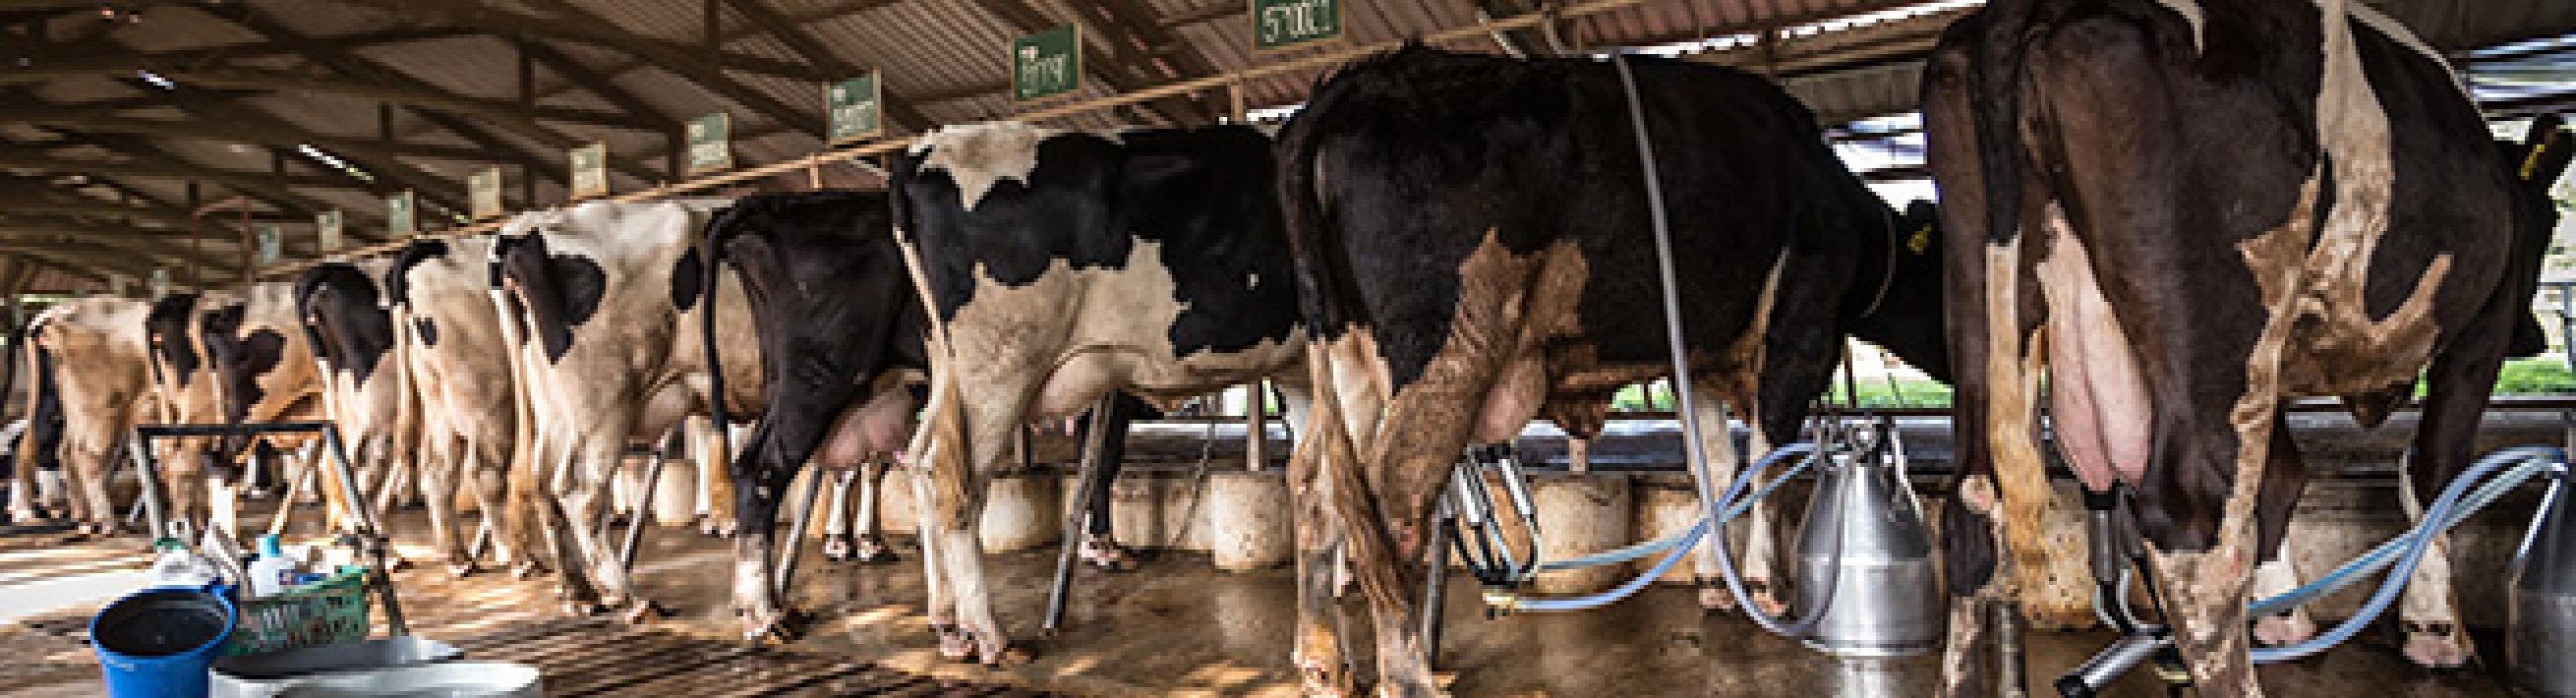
column 1921, row 240
column 2531, row 163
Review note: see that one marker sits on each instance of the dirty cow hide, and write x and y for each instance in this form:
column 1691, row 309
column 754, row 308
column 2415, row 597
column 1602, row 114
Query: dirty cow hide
column 95, row 360
column 1475, row 250
column 2182, row 214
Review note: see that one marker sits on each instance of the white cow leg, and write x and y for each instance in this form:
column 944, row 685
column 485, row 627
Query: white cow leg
column 2272, row 578
column 1765, row 573
column 836, row 522
column 871, row 545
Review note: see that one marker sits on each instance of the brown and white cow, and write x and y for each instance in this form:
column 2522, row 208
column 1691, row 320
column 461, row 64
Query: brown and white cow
column 1059, row 266
column 2181, row 213
column 1475, row 249
column 605, row 362
column 471, row 431
column 91, row 354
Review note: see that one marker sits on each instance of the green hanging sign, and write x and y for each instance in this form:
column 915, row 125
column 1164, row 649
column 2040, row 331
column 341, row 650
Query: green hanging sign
column 854, row 108
column 1284, row 23
column 1046, row 64
column 272, row 244
column 589, row 171
column 328, row 225
column 483, row 193
column 400, row 212
column 709, row 151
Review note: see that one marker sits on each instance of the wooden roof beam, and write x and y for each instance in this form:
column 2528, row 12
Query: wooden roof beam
column 417, row 94
column 363, row 68
column 604, row 34
column 93, row 120
column 900, row 113
column 691, row 63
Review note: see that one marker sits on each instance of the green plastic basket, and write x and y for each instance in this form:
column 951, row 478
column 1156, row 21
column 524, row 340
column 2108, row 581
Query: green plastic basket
column 327, row 612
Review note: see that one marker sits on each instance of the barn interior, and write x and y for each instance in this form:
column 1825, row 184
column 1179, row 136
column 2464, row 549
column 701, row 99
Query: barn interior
column 151, row 147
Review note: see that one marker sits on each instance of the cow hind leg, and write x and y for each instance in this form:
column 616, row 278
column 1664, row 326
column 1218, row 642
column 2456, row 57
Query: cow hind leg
column 2283, row 480
column 869, row 545
column 837, row 543
column 2460, row 379
column 959, row 488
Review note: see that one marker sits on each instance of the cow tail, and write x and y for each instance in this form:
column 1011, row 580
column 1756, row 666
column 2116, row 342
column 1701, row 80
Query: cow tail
column 711, row 250
column 31, row 440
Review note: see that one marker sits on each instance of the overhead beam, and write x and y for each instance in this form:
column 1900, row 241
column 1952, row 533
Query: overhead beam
column 900, row 112
column 236, row 51
column 243, row 77
column 691, row 63
column 177, row 170
column 254, row 134
column 603, row 34
column 480, row 131
column 108, row 210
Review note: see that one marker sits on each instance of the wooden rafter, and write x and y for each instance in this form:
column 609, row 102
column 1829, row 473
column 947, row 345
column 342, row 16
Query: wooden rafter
column 244, row 77
column 358, row 67
column 900, row 113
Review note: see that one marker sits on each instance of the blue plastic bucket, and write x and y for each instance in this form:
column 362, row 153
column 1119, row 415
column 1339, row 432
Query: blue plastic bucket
column 156, row 643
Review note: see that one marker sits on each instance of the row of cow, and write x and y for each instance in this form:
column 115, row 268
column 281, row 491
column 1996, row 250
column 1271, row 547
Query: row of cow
column 2173, row 214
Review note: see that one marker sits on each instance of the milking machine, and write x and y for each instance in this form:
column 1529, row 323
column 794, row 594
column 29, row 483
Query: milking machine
column 2544, row 591
column 1863, row 551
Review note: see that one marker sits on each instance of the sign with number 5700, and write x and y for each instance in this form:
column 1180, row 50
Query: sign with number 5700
column 1284, row 23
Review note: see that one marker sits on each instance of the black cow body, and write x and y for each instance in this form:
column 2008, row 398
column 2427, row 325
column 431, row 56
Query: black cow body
column 1061, row 266
column 841, row 352
column 1475, row 249
column 2181, row 214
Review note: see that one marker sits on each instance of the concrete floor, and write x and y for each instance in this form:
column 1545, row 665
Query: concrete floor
column 1177, row 627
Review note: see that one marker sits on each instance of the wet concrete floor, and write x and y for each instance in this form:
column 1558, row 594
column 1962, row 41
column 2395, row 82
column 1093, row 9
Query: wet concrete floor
column 1175, row 626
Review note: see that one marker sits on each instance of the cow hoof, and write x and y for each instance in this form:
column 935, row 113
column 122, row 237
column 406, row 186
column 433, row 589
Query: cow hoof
column 1323, row 677
column 523, row 570
column 2436, row 645
column 461, row 570
column 1101, row 552
column 872, row 550
column 2283, row 629
column 785, row 625
column 953, row 643
column 1766, row 599
column 642, row 612
column 1713, row 595
column 837, row 548
column 584, row 609
column 1006, row 656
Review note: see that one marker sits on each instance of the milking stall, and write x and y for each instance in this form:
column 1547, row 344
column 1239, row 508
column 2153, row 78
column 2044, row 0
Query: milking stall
column 1962, row 348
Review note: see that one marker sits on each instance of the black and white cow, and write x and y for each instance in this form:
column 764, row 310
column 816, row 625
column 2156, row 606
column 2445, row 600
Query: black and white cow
column 36, row 463
column 197, row 484
column 366, row 390
column 1474, row 247
column 1060, row 266
column 471, row 429
column 606, row 358
column 264, row 371
column 2182, row 213
column 840, row 333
